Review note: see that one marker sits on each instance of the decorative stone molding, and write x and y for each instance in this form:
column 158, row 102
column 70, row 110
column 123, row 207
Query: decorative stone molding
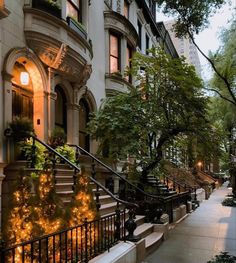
column 119, row 23
column 58, row 46
column 118, row 9
column 4, row 12
column 141, row 16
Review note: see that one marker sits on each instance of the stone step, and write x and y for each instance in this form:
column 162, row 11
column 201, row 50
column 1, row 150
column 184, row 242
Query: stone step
column 107, row 208
column 143, row 230
column 60, row 187
column 153, row 241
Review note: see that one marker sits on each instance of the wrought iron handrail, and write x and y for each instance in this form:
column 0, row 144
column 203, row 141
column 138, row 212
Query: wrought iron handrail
column 161, row 198
column 74, row 166
column 179, row 184
column 70, row 243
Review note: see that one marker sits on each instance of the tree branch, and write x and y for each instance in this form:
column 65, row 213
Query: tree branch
column 228, row 86
column 222, row 96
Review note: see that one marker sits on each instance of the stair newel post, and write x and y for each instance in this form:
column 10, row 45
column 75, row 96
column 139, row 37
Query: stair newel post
column 33, row 154
column 86, row 240
column 179, row 188
column 77, row 156
column 53, row 160
column 117, row 223
column 74, row 180
column 97, row 194
column 130, row 226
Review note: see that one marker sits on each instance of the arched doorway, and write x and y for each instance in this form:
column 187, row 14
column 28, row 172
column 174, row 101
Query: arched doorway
column 60, row 109
column 84, row 140
column 22, row 92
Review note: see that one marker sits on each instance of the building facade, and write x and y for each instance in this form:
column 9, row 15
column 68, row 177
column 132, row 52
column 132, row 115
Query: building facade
column 184, row 47
column 60, row 59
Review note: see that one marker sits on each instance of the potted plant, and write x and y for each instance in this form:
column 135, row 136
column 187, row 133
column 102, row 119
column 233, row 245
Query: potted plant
column 19, row 130
column 57, row 138
column 50, row 6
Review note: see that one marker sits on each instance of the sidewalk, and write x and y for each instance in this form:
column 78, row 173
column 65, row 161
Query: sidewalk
column 203, row 234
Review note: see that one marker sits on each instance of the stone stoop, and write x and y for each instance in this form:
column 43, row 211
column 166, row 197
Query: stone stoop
column 123, row 252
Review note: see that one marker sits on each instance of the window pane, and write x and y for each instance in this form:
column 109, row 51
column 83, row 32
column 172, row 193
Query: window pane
column 114, row 65
column 114, row 46
column 127, row 56
column 126, row 9
column 72, row 11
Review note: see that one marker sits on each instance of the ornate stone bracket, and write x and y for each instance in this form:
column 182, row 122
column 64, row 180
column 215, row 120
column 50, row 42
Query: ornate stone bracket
column 60, row 56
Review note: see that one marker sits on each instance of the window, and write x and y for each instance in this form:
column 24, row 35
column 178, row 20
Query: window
column 139, row 34
column 126, row 9
column 73, row 9
column 114, row 53
column 147, row 44
column 128, row 62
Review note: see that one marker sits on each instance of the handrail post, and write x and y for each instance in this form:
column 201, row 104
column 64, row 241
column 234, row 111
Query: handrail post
column 117, row 223
column 2, row 256
column 130, row 226
column 86, row 240
column 33, row 154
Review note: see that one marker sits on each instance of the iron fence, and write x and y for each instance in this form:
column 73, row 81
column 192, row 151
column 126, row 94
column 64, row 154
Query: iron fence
column 72, row 245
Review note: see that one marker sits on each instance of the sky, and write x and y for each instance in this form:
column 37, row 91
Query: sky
column 208, row 38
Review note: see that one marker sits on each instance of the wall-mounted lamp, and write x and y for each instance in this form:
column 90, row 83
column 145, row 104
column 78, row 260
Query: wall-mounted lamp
column 24, row 78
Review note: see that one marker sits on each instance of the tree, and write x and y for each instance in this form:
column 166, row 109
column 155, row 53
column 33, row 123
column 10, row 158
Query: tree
column 167, row 102
column 191, row 18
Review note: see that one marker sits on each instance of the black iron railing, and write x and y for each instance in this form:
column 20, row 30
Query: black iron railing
column 76, row 244
column 168, row 180
column 148, row 204
column 80, row 243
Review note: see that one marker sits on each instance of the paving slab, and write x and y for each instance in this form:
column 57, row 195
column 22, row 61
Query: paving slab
column 204, row 233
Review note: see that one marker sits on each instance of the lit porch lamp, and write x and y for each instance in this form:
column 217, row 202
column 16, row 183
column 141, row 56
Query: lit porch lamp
column 24, row 78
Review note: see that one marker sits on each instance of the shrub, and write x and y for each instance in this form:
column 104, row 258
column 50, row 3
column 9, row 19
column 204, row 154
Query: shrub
column 229, row 201
column 20, row 129
column 223, row 257
column 58, row 137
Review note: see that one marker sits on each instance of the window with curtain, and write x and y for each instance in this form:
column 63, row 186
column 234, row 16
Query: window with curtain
column 114, row 53
column 73, row 9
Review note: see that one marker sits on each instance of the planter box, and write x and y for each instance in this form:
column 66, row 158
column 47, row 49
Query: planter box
column 47, row 7
column 76, row 27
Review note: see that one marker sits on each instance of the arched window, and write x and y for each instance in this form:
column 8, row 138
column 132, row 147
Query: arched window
column 83, row 120
column 60, row 109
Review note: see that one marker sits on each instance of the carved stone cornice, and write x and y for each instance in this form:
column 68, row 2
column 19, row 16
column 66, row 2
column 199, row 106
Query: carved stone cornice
column 58, row 46
column 121, row 24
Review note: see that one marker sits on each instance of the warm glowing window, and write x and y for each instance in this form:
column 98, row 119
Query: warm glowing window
column 128, row 61
column 73, row 9
column 114, row 53
column 126, row 9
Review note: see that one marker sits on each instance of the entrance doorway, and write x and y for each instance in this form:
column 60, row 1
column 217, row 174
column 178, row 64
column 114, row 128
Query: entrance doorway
column 84, row 139
column 60, row 109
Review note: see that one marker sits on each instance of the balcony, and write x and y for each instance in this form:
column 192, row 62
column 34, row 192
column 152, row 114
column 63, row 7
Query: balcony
column 61, row 45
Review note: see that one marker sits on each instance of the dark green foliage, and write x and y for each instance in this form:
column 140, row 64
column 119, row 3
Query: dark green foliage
column 167, row 102
column 20, row 129
column 229, row 202
column 191, row 15
column 57, row 138
column 223, row 257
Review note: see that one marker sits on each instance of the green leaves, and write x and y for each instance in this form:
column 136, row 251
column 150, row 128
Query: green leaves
column 191, row 15
column 167, row 101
